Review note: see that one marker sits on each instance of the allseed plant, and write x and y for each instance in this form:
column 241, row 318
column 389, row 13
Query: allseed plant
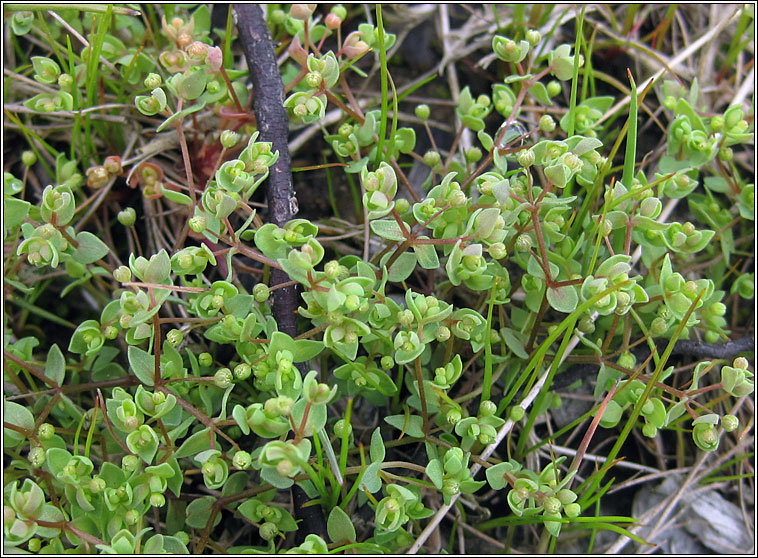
column 185, row 370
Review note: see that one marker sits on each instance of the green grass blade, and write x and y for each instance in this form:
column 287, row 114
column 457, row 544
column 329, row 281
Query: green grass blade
column 383, row 79
column 575, row 78
column 596, row 478
column 487, row 384
column 31, row 308
column 94, row 8
column 631, row 136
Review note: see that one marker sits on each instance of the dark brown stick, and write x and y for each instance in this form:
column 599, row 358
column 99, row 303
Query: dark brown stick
column 726, row 350
column 273, row 125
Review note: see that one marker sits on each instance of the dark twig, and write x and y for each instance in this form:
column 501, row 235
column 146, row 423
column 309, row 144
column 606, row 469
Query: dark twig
column 682, row 347
column 273, row 125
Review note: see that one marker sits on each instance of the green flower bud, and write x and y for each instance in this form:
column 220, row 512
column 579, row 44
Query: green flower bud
column 174, row 337
column 572, row 510
column 450, row 487
column 157, row 499
column 473, row 154
column 442, row 333
column 130, row 463
column 523, row 243
column 65, row 82
column 712, row 337
column 209, row 468
column 649, row 430
column 261, row 292
column 552, row 505
column 546, row 124
column 432, row 158
column 726, row 154
column 457, row 199
column 405, row 317
column 627, row 360
column 34, row 545
column 730, row 423
column 131, row 422
column 223, row 378
column 650, row 207
column 422, row 112
column 586, row 324
column 516, row 413
column 705, row 436
column 37, row 456
column 242, row 460
column 96, row 485
column 554, row 88
column 669, row 102
column 453, row 416
column 316, row 393
column 485, row 439
column 732, row 117
column 342, row 428
column 152, row 81
column 229, row 138
column 534, row 37
column 526, row 158
column 658, row 326
column 497, row 250
column 217, row 301
column 717, row 123
column 28, row 158
column 332, row 269
column 740, row 362
column 313, row 79
column 97, row 177
column 268, row 531
column 122, row 274
column 352, row 302
column 205, row 359
column 198, row 223
column 487, row 408
column 131, row 517
column 717, row 308
column 387, row 362
column 339, row 10
column 242, row 371
column 45, row 431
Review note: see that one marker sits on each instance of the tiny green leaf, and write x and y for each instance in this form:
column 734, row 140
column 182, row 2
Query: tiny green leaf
column 413, row 427
column 199, row 441
column 142, row 364
column 90, row 248
column 339, row 526
column 377, row 450
column 55, row 367
column 564, row 299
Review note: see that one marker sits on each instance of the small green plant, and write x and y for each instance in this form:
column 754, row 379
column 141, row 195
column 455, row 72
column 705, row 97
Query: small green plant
column 180, row 348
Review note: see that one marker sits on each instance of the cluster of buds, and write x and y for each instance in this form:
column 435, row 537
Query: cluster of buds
column 99, row 175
